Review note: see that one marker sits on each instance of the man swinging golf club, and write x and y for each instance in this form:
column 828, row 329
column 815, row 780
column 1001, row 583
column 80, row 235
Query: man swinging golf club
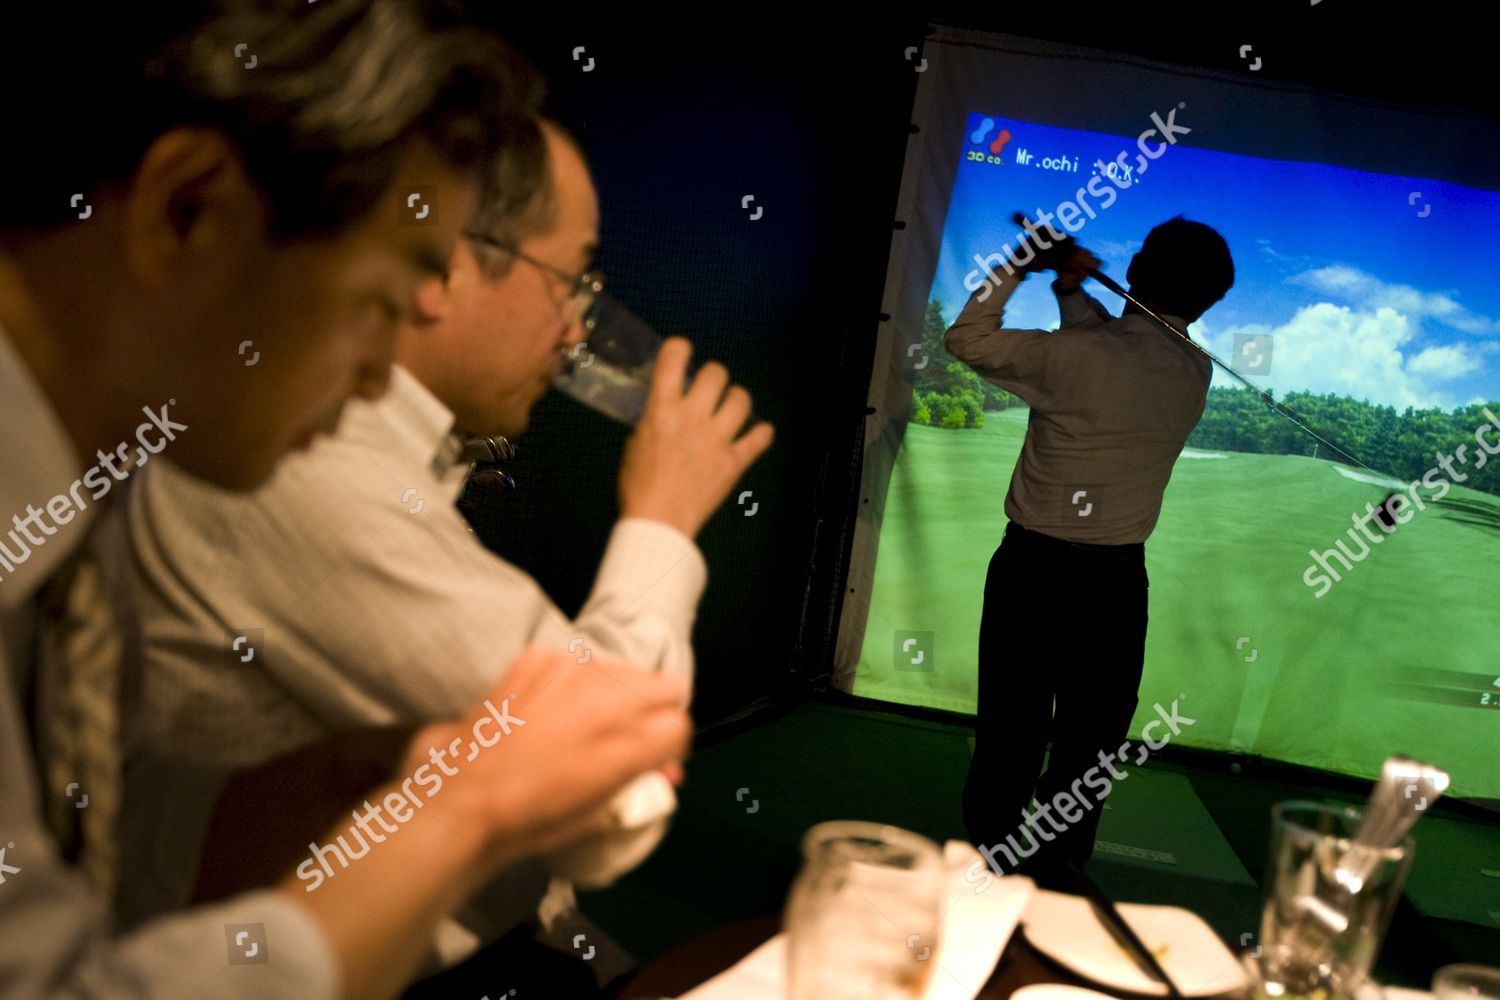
column 1062, row 637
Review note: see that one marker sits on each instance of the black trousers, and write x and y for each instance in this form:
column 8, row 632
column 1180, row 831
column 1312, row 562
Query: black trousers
column 1062, row 642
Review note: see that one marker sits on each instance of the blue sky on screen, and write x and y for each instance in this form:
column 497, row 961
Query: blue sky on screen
column 1362, row 293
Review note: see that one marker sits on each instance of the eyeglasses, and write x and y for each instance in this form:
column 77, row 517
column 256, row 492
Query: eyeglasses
column 585, row 287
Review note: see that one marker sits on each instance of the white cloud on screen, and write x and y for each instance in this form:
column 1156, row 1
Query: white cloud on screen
column 1359, row 288
column 1373, row 348
column 1330, row 348
column 1444, row 362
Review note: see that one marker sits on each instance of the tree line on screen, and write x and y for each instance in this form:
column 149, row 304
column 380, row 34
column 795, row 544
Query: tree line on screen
column 948, row 394
column 1405, row 444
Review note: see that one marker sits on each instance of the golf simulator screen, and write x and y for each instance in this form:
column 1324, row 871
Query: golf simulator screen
column 1286, row 620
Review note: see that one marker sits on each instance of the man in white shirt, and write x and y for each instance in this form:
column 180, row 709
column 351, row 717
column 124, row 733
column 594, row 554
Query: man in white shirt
column 240, row 174
column 1064, row 620
column 400, row 614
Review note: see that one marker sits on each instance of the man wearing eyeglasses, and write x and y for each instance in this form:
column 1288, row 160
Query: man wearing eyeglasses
column 401, row 616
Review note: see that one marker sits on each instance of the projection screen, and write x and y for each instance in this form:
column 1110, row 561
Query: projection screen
column 1364, row 238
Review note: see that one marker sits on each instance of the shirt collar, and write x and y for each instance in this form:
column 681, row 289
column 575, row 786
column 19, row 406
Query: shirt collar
column 1138, row 322
column 1141, row 319
column 38, row 464
column 414, row 406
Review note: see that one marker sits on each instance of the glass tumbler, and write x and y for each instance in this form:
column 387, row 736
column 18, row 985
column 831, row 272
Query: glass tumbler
column 1328, row 903
column 864, row 914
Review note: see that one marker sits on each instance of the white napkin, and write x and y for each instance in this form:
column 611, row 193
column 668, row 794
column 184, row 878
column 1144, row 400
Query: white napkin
column 1401, row 993
column 976, row 928
column 621, row 835
column 760, row 974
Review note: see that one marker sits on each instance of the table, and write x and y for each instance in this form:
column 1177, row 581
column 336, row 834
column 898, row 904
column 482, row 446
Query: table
column 694, row 963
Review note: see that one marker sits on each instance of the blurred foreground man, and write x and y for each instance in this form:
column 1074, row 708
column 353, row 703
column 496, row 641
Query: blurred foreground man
column 373, row 603
column 207, row 257
column 1063, row 633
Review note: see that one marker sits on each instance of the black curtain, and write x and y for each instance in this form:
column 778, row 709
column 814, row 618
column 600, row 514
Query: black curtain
column 680, row 126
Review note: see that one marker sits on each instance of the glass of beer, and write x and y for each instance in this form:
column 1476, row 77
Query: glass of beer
column 864, row 915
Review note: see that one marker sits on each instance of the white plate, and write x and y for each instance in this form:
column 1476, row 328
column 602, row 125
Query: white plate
column 1057, row 991
column 1065, row 929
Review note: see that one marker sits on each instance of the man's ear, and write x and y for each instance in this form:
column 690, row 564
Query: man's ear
column 430, row 301
column 189, row 197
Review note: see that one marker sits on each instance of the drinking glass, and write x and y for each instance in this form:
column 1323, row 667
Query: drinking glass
column 1328, row 903
column 1466, row 982
column 863, row 916
column 611, row 370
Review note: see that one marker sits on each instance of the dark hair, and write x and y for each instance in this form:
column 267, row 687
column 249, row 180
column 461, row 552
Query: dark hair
column 518, row 198
column 1183, row 266
column 320, row 99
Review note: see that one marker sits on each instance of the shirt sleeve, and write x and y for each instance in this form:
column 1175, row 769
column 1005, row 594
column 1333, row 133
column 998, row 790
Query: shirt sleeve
column 646, row 595
column 55, row 941
column 393, row 617
column 1078, row 310
column 1016, row 360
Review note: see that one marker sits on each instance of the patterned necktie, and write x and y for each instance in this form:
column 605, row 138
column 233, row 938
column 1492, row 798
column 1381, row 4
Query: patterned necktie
column 79, row 645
